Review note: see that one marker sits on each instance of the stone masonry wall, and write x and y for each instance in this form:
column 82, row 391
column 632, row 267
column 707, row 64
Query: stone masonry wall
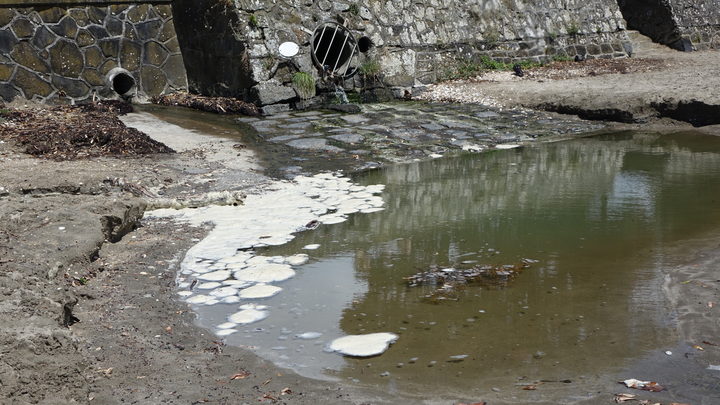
column 685, row 25
column 698, row 22
column 63, row 53
column 415, row 42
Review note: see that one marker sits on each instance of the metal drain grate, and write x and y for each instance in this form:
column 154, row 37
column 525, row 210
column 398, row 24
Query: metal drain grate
column 334, row 50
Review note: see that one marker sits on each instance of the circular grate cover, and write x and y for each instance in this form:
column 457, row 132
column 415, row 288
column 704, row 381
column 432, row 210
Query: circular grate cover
column 334, row 50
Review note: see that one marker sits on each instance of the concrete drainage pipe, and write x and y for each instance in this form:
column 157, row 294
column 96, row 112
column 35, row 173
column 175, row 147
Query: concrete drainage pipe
column 334, row 50
column 121, row 82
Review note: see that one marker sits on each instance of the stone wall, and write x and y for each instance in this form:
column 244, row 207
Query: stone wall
column 698, row 22
column 415, row 42
column 684, row 25
column 63, row 52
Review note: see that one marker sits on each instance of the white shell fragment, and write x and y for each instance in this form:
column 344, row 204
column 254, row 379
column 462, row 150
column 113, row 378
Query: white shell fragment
column 247, row 316
column 368, row 345
column 259, row 291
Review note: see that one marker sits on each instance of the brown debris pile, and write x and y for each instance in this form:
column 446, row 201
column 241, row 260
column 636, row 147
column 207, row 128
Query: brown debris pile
column 219, row 105
column 447, row 281
column 593, row 67
column 76, row 132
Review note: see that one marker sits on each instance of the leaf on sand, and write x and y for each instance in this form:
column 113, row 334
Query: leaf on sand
column 643, row 385
column 240, row 376
column 286, row 391
column 620, row 398
column 529, row 387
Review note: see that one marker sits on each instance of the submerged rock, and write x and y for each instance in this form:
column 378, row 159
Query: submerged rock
column 368, row 345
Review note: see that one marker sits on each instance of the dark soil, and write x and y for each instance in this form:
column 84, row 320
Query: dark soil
column 218, row 105
column 76, row 132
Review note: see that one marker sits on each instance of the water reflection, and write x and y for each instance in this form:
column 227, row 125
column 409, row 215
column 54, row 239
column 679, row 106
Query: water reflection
column 596, row 213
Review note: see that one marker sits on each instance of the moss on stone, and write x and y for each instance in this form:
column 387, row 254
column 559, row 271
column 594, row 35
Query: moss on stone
column 6, row 71
column 51, row 15
column 31, row 84
column 155, row 54
column 130, row 53
column 85, row 38
column 23, row 28
column 66, row 59
column 93, row 57
column 25, row 55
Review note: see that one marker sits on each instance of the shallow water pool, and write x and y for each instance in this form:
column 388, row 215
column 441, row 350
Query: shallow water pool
column 596, row 216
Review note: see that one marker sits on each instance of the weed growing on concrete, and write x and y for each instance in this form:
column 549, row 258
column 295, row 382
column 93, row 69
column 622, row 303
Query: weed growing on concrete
column 573, row 29
column 354, row 9
column 253, row 21
column 304, row 85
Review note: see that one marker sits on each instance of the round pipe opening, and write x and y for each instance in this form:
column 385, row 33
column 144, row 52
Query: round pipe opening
column 333, row 49
column 121, row 82
column 364, row 44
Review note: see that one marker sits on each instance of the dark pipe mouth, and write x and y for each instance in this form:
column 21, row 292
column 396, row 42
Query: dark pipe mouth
column 333, row 50
column 121, row 82
column 364, row 44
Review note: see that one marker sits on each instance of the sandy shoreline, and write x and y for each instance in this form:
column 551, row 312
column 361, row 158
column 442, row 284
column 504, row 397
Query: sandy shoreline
column 135, row 343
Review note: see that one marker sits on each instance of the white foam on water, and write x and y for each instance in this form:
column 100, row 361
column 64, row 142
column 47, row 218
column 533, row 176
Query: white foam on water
column 259, row 307
column 308, row 335
column 233, row 299
column 218, row 275
column 198, row 299
column 247, row 316
column 224, row 261
column 363, row 345
column 259, row 291
column 265, row 273
column 225, row 332
column 227, row 325
column 297, row 260
column 184, row 293
column 507, row 146
column 223, row 292
column 208, row 286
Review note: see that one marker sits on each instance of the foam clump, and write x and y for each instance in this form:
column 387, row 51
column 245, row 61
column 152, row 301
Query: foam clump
column 218, row 275
column 247, row 316
column 368, row 345
column 259, row 291
column 308, row 335
column 297, row 260
column 265, row 273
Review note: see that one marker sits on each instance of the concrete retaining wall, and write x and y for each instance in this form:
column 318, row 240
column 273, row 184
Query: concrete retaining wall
column 62, row 52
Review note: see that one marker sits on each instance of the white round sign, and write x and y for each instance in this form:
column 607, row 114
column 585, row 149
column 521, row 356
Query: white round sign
column 289, row 49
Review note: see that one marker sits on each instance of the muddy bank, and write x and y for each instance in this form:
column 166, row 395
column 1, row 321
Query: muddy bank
column 657, row 83
column 89, row 309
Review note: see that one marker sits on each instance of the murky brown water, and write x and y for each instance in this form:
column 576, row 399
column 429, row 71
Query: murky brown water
column 596, row 213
